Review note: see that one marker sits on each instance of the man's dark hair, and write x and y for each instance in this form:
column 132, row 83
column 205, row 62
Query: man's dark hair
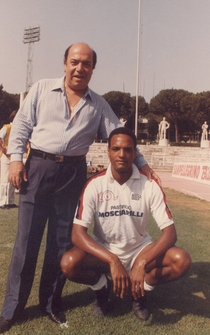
column 123, row 130
column 94, row 55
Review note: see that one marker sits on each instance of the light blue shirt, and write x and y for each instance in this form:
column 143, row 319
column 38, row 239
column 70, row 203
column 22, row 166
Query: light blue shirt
column 43, row 119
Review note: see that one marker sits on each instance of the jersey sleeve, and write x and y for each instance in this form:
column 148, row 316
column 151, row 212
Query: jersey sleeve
column 86, row 206
column 159, row 207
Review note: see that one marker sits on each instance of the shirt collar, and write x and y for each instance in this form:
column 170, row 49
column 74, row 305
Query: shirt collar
column 135, row 173
column 59, row 85
column 89, row 93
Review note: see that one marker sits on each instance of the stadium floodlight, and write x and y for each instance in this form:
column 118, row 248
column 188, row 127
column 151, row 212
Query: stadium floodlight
column 31, row 35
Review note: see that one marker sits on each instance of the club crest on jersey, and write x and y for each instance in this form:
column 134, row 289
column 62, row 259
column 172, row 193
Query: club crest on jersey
column 135, row 196
column 106, row 196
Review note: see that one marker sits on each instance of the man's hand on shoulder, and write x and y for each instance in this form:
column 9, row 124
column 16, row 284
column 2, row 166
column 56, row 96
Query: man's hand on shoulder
column 151, row 175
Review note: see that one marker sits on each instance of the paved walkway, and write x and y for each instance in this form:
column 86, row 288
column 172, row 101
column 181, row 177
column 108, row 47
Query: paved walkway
column 189, row 187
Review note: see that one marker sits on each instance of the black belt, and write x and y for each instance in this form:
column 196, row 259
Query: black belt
column 56, row 158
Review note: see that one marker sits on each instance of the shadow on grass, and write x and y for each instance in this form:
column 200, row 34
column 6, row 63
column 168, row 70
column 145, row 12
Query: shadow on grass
column 190, row 295
column 71, row 301
column 171, row 302
column 168, row 303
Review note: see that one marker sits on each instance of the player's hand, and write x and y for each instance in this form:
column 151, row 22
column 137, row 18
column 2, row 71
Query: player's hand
column 137, row 276
column 17, row 173
column 120, row 277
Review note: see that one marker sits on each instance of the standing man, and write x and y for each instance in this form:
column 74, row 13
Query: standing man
column 7, row 191
column 118, row 201
column 60, row 118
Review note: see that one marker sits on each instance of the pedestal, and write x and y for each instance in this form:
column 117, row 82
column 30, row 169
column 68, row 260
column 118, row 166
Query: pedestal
column 163, row 142
column 205, row 144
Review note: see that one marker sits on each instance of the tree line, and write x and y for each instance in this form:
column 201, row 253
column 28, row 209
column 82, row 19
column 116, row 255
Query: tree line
column 8, row 103
column 185, row 111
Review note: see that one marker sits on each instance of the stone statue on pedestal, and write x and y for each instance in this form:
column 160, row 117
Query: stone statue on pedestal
column 204, row 137
column 205, row 132
column 163, row 126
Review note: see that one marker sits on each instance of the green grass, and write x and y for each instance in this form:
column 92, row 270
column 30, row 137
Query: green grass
column 181, row 307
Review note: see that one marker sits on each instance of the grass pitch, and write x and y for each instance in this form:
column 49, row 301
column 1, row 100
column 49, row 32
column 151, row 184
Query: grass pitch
column 181, row 307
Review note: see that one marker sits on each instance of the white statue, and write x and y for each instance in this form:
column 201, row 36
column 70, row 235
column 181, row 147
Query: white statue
column 205, row 132
column 163, row 125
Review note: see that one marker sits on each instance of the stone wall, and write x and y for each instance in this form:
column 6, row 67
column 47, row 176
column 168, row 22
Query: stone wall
column 159, row 158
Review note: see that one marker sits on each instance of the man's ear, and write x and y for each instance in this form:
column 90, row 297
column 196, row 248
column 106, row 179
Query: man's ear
column 108, row 151
column 64, row 65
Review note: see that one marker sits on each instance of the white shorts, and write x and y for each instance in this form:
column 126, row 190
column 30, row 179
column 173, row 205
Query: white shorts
column 129, row 258
column 128, row 263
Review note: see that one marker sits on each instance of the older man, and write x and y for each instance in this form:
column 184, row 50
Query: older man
column 60, row 118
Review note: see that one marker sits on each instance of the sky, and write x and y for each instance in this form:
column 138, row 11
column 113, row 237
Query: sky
column 174, row 43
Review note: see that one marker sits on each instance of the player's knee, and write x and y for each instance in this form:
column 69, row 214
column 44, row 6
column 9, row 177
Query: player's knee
column 182, row 262
column 67, row 264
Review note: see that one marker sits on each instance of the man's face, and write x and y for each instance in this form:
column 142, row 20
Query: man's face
column 121, row 153
column 79, row 67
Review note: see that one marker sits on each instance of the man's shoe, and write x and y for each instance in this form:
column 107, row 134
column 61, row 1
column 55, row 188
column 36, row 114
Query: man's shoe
column 3, row 207
column 58, row 318
column 12, row 206
column 101, row 304
column 140, row 309
column 4, row 324
column 9, row 206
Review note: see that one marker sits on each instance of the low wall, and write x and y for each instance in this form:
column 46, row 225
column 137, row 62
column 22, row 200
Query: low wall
column 159, row 158
column 199, row 172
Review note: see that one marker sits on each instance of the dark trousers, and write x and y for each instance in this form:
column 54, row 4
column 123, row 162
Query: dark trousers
column 49, row 197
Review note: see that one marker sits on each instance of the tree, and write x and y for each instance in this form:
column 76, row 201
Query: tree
column 142, row 112
column 172, row 104
column 120, row 103
column 201, row 105
column 8, row 103
column 142, row 106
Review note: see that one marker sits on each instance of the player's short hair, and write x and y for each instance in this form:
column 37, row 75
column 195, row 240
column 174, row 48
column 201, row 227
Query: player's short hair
column 125, row 131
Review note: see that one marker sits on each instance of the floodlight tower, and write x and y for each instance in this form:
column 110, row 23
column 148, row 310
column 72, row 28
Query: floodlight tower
column 30, row 36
